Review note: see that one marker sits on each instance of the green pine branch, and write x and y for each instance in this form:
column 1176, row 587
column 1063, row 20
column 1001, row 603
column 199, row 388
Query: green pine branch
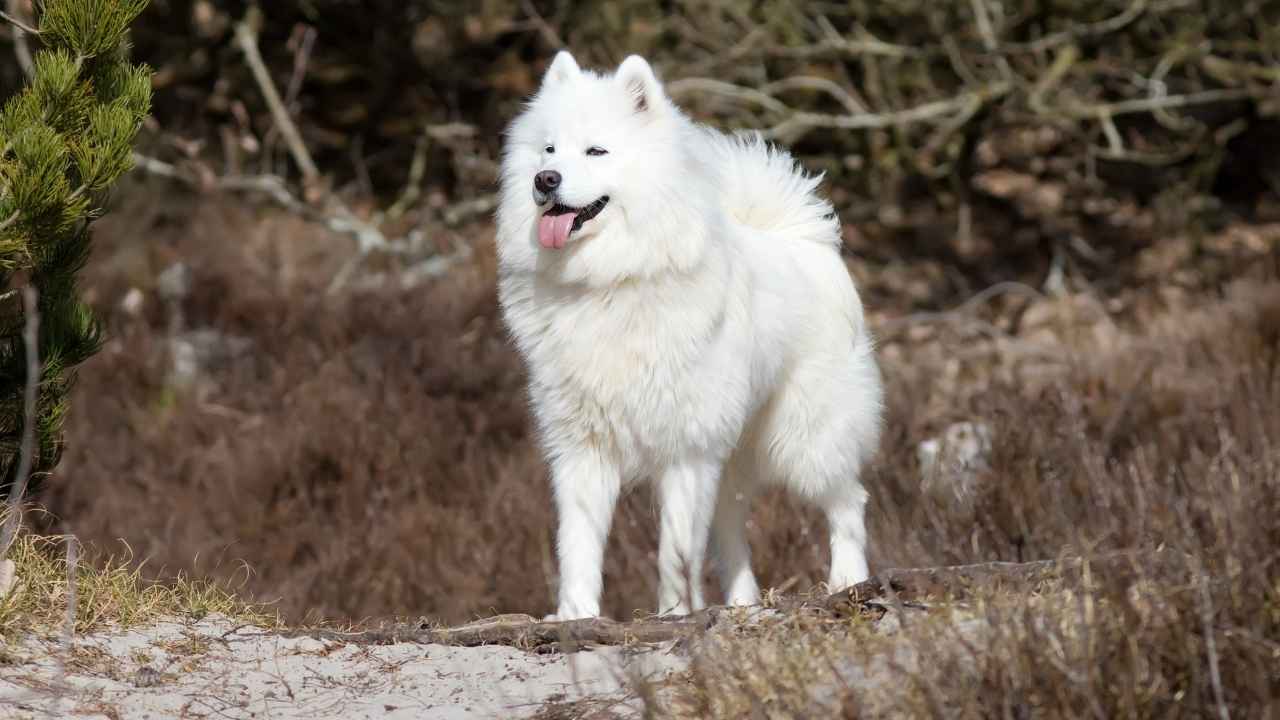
column 64, row 140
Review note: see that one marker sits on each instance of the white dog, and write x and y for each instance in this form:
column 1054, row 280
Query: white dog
column 679, row 298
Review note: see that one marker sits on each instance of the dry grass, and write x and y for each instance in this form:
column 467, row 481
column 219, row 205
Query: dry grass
column 110, row 592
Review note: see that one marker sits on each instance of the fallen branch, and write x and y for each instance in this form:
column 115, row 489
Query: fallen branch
column 890, row 588
column 524, row 632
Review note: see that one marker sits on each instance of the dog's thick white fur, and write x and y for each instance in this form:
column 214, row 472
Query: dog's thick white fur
column 701, row 331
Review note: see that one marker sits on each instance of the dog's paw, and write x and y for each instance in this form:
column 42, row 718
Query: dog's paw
column 573, row 612
column 562, row 617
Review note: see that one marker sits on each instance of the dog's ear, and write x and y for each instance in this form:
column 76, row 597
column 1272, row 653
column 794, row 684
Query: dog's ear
column 563, row 67
column 637, row 77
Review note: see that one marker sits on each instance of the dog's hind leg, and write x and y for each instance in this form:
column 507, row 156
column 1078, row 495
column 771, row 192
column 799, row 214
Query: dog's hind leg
column 688, row 494
column 729, row 539
column 845, row 506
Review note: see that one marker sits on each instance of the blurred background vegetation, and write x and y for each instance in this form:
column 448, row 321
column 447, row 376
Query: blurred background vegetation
column 1000, row 135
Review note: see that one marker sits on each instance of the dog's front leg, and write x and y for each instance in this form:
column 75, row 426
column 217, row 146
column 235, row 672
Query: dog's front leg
column 586, row 490
column 688, row 494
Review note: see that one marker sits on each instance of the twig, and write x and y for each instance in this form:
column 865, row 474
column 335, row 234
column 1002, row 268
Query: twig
column 996, row 290
column 845, row 47
column 820, row 84
column 20, row 31
column 301, row 58
column 1211, row 647
column 985, row 30
column 7, row 17
column 337, row 219
column 1149, row 104
column 4, row 224
column 1115, row 145
column 73, row 560
column 693, row 85
column 1062, row 64
column 467, row 209
column 796, row 125
column 412, row 187
column 31, row 338
column 549, row 34
column 247, row 40
column 1104, row 27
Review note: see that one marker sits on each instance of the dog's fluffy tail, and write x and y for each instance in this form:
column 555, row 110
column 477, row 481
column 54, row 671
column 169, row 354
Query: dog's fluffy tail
column 766, row 189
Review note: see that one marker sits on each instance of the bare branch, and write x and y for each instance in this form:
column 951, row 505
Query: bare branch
column 30, row 338
column 1104, row 27
column 839, row 46
column 468, row 209
column 1211, row 647
column 549, row 34
column 1001, row 288
column 301, row 58
column 338, row 218
column 247, row 41
column 819, row 84
column 1142, row 105
column 987, row 32
column 14, row 21
column 413, row 187
column 1062, row 64
column 800, row 122
column 694, row 85
column 20, row 32
column 73, row 559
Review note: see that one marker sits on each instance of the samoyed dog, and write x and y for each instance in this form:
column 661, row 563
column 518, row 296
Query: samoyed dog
column 679, row 299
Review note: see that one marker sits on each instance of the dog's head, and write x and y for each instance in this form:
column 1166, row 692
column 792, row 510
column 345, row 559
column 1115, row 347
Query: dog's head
column 590, row 152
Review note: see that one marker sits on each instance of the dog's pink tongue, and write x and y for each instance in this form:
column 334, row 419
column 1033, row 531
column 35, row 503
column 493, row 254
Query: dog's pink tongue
column 553, row 230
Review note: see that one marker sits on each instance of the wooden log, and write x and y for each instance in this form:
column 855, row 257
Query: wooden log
column 528, row 633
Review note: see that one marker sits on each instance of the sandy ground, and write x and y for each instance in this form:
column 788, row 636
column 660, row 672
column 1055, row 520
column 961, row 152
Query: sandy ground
column 216, row 669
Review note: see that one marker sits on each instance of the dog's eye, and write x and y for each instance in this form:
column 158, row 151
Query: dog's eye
column 596, row 151
column 549, row 149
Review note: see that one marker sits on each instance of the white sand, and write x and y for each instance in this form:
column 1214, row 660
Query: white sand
column 216, row 669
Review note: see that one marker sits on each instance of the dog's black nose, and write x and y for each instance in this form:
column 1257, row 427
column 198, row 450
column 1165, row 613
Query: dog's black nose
column 546, row 181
